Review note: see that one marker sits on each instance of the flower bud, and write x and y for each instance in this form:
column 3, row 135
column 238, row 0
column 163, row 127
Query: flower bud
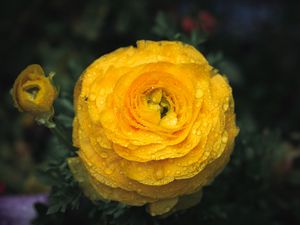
column 33, row 92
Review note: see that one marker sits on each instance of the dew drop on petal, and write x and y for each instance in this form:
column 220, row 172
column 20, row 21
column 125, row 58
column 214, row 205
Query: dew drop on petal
column 199, row 93
column 225, row 138
column 225, row 106
column 101, row 102
column 103, row 155
column 108, row 171
column 159, row 174
column 206, row 154
column 125, row 145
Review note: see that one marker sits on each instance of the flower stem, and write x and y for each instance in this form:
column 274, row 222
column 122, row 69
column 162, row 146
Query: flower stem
column 61, row 134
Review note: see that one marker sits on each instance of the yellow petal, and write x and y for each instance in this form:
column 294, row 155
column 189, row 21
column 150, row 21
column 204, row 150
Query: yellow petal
column 162, row 207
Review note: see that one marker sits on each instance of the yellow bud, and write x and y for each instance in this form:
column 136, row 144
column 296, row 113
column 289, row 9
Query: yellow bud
column 33, row 92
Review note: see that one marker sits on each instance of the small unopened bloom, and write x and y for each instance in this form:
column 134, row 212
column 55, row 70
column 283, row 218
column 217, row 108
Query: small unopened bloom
column 33, row 92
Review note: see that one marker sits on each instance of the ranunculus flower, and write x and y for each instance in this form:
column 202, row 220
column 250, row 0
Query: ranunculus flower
column 33, row 92
column 154, row 124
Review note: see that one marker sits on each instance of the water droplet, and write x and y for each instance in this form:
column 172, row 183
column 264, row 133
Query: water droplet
column 101, row 102
column 225, row 138
column 103, row 155
column 198, row 132
column 159, row 174
column 199, row 93
column 108, row 171
column 126, row 145
column 225, row 106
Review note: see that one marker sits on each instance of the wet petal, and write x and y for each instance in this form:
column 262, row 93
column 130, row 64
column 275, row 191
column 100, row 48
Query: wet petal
column 153, row 126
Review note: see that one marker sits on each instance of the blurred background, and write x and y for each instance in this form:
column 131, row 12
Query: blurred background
column 254, row 42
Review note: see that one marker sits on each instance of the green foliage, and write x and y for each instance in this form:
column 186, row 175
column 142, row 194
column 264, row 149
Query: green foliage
column 166, row 28
column 65, row 192
column 113, row 213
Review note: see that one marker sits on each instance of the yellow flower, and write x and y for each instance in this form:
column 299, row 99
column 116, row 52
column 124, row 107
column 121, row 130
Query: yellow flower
column 154, row 124
column 33, row 92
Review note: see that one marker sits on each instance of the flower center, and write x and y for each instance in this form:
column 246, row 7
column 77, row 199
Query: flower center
column 32, row 91
column 158, row 102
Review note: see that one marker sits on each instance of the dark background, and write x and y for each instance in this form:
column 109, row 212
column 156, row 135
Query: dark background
column 260, row 37
column 255, row 43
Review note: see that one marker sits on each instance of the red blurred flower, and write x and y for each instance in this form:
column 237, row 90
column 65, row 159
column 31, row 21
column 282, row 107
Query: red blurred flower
column 207, row 20
column 188, row 24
